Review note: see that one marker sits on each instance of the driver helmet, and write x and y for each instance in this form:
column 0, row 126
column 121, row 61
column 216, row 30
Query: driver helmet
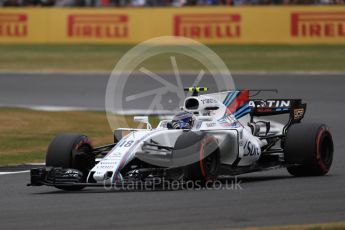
column 183, row 120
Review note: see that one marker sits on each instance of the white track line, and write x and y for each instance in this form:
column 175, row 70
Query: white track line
column 49, row 108
column 8, row 173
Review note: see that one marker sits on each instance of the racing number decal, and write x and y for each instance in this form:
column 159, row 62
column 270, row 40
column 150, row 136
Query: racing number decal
column 126, row 144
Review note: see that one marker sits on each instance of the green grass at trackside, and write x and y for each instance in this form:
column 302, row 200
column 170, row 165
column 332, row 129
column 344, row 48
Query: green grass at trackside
column 324, row 226
column 26, row 134
column 237, row 57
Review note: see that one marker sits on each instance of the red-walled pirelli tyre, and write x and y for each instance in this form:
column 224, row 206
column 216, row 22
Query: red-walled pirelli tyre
column 310, row 147
column 72, row 151
column 204, row 151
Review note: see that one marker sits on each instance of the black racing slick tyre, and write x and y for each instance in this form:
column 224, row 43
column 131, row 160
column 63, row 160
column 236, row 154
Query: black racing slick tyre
column 309, row 149
column 203, row 161
column 72, row 151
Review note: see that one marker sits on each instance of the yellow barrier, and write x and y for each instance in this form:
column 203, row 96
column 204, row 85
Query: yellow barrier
column 220, row 25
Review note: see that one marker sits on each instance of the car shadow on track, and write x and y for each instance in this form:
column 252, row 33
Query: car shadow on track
column 221, row 181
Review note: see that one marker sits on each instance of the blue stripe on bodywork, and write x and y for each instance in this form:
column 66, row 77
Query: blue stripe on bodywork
column 227, row 97
column 231, row 98
column 242, row 111
column 238, row 116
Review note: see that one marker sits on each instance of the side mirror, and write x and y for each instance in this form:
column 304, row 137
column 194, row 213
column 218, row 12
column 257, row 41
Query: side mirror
column 144, row 120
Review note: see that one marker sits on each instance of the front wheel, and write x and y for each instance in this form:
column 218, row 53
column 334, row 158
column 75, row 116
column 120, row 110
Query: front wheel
column 308, row 149
column 72, row 151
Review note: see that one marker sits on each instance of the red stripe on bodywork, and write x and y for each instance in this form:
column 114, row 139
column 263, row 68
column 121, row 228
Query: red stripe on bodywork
column 240, row 100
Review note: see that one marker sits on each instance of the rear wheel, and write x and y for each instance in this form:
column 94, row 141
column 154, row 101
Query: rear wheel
column 310, row 148
column 72, row 151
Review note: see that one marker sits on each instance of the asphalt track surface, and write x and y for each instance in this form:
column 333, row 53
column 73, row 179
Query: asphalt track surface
column 267, row 198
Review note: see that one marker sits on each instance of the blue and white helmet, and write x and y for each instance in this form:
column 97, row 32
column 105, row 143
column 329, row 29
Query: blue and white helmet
column 183, row 120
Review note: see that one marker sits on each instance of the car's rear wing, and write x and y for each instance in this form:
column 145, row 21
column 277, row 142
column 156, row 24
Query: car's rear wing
column 269, row 107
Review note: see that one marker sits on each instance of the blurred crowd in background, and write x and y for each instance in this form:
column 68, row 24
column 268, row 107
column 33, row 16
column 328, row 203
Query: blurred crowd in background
column 162, row 3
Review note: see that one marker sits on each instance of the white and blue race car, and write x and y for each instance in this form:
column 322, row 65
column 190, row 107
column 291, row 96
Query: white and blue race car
column 225, row 136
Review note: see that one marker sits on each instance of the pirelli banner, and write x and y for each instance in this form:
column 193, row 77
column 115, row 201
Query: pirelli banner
column 223, row 25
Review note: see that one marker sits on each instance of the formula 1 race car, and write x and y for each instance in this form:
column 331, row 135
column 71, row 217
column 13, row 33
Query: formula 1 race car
column 226, row 136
